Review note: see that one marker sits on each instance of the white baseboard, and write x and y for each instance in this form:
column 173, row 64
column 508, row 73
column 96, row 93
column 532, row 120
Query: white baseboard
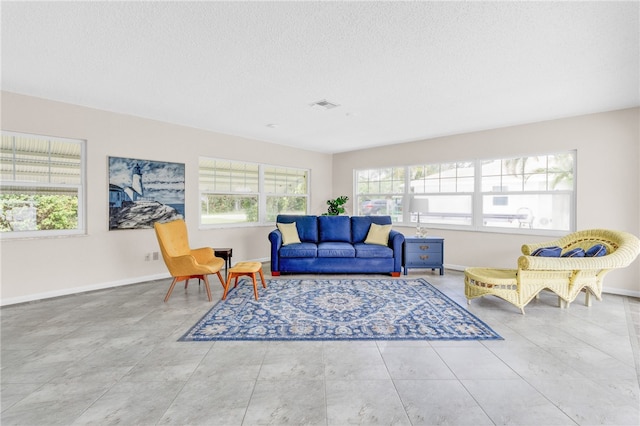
column 83, row 289
column 621, row 292
column 93, row 287
column 455, row 267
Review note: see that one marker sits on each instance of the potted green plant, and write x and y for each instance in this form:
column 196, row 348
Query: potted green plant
column 336, row 206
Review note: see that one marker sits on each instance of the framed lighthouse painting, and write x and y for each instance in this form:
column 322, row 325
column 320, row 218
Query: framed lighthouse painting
column 142, row 192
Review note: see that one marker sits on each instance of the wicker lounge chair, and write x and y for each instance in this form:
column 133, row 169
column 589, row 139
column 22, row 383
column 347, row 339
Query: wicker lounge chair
column 565, row 276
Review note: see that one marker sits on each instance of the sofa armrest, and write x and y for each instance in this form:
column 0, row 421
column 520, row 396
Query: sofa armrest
column 275, row 237
column 396, row 241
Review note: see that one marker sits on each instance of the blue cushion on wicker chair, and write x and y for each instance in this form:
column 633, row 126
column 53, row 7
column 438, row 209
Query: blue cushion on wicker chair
column 596, row 251
column 576, row 252
column 547, row 252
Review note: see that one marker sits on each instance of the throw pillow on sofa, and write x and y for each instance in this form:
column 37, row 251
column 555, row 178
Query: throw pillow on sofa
column 378, row 234
column 289, row 233
column 547, row 252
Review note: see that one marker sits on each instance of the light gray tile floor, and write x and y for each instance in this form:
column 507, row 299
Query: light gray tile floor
column 112, row 357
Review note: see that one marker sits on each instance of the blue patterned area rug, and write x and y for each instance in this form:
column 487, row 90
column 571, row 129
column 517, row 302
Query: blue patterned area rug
column 339, row 309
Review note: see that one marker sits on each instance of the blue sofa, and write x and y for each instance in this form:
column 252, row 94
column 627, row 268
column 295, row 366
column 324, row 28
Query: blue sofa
column 335, row 244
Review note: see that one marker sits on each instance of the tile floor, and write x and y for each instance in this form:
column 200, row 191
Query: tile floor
column 112, row 357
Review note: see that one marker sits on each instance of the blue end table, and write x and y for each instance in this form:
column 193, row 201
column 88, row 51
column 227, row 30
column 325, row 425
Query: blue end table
column 423, row 252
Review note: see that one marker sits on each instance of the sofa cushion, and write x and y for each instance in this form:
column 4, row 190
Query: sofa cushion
column 307, row 226
column 596, row 251
column 334, row 228
column 378, row 234
column 576, row 252
column 289, row 233
column 336, row 249
column 372, row 250
column 299, row 250
column 360, row 226
column 547, row 252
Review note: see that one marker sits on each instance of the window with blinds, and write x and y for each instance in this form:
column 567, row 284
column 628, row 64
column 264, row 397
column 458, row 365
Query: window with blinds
column 285, row 191
column 234, row 192
column 42, row 185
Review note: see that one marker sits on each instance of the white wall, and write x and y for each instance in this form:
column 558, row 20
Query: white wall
column 608, row 192
column 608, row 146
column 33, row 269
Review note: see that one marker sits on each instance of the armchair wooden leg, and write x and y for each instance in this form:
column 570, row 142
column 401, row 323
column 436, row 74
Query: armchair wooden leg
column 206, row 286
column 226, row 287
column 221, row 279
column 173, row 284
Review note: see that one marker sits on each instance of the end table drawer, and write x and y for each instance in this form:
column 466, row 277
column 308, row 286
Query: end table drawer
column 428, row 247
column 417, row 260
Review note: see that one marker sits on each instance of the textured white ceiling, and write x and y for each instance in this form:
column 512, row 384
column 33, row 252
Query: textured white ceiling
column 399, row 71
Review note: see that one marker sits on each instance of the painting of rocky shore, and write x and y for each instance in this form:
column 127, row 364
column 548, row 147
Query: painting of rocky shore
column 142, row 214
column 143, row 192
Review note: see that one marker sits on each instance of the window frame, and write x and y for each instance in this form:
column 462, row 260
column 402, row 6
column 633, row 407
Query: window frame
column 80, row 189
column 262, row 193
column 268, row 194
column 477, row 214
column 572, row 193
column 444, row 189
column 385, row 190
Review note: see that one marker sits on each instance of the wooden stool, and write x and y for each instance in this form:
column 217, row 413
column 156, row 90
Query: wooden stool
column 245, row 268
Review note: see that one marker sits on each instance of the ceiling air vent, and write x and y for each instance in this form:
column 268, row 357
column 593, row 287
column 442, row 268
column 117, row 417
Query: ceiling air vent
column 324, row 104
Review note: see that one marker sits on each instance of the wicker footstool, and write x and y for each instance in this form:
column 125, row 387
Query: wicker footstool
column 241, row 269
column 496, row 282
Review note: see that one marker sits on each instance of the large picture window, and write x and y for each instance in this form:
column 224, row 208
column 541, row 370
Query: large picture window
column 237, row 193
column 519, row 194
column 42, row 186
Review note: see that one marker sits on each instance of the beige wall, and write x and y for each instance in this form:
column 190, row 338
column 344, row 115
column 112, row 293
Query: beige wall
column 32, row 269
column 608, row 192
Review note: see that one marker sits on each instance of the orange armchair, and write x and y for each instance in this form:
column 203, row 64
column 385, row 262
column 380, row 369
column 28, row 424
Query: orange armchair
column 183, row 262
